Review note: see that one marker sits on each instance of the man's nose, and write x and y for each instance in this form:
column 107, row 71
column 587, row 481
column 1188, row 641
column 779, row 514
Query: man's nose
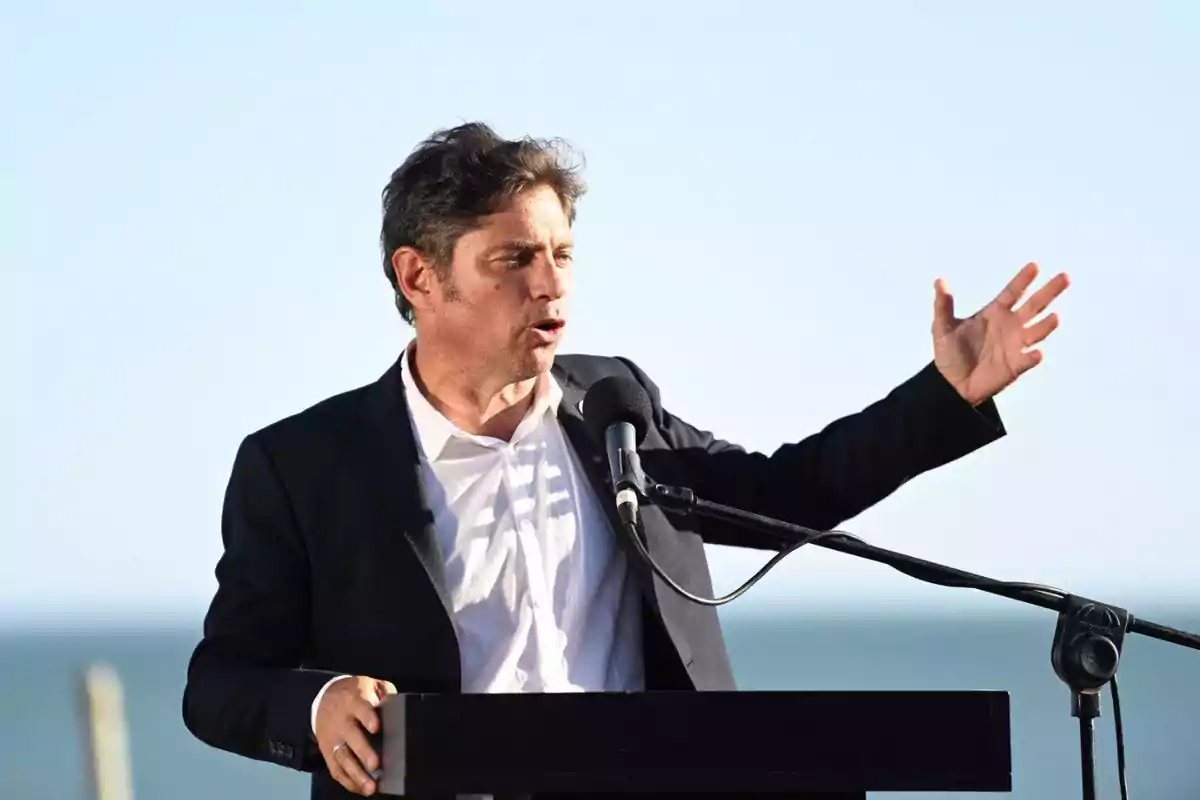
column 552, row 278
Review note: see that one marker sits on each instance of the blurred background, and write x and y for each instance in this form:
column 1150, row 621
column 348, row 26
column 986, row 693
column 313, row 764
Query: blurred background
column 189, row 250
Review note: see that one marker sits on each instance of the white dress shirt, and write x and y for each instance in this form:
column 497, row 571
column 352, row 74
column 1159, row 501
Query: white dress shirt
column 536, row 580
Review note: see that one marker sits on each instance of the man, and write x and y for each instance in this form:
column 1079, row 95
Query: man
column 450, row 527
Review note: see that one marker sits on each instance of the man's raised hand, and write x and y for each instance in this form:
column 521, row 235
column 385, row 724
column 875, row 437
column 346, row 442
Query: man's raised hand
column 985, row 352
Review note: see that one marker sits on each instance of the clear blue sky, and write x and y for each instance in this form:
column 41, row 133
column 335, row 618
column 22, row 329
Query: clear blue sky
column 189, row 250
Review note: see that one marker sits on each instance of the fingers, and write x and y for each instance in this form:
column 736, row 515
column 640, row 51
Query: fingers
column 1031, row 336
column 359, row 758
column 364, row 711
column 1027, row 361
column 339, row 774
column 1017, row 286
column 1039, row 330
column 358, row 742
column 347, row 768
column 943, row 308
column 1042, row 298
column 352, row 759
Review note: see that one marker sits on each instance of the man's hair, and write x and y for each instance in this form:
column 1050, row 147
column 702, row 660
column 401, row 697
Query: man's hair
column 456, row 177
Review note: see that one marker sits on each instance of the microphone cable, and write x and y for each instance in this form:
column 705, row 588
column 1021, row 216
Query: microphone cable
column 1116, row 701
column 633, row 530
column 804, row 536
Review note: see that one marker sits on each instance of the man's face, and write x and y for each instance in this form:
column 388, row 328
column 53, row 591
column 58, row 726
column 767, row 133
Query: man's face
column 503, row 305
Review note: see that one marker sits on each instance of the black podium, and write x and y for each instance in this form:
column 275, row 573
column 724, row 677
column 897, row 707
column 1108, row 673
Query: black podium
column 827, row 745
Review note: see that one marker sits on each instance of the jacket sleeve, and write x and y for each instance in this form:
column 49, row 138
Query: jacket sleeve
column 836, row 473
column 246, row 691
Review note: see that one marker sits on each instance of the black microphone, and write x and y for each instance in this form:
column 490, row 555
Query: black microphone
column 618, row 411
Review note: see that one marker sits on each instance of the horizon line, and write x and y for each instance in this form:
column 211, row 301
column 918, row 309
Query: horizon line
column 119, row 621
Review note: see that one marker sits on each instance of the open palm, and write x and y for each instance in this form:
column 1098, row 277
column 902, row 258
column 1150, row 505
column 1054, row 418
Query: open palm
column 987, row 351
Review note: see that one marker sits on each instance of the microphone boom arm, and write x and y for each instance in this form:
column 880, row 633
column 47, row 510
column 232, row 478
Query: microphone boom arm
column 683, row 500
column 1086, row 649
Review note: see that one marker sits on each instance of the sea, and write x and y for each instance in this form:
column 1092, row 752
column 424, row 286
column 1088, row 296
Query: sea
column 42, row 750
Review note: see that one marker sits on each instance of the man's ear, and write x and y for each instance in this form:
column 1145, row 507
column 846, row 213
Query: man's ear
column 414, row 276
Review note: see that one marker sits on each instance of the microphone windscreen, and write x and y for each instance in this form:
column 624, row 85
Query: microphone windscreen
column 617, row 399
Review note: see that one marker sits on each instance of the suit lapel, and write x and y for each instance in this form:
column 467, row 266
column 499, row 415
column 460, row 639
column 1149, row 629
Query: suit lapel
column 595, row 464
column 402, row 490
column 593, row 458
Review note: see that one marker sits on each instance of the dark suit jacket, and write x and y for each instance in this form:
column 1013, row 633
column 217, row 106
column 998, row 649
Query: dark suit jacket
column 331, row 563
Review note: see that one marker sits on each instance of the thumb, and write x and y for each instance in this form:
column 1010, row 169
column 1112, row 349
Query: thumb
column 943, row 308
column 384, row 688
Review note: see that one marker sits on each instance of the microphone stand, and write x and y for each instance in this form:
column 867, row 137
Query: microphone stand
column 1088, row 638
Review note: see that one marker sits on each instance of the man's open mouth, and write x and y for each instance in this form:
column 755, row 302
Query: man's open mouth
column 550, row 325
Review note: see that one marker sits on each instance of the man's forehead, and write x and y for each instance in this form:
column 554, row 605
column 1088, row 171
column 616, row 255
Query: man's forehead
column 528, row 220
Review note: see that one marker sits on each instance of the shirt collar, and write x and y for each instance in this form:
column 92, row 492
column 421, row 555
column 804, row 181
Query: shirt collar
column 433, row 430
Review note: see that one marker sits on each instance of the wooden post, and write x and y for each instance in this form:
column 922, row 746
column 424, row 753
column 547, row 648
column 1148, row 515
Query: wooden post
column 106, row 734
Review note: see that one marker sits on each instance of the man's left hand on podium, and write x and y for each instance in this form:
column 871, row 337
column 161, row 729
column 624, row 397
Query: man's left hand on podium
column 986, row 352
